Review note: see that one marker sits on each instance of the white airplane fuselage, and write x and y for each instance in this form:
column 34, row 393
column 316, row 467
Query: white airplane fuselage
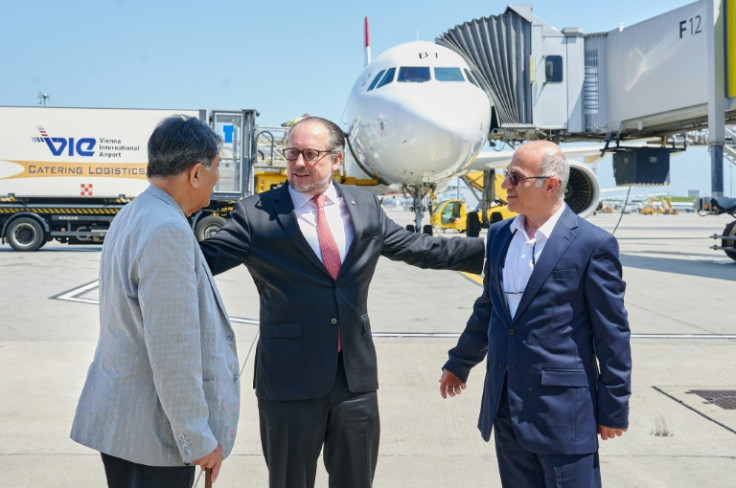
column 413, row 118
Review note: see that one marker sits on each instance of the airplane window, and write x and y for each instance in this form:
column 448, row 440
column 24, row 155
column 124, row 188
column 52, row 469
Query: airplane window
column 413, row 74
column 375, row 80
column 387, row 78
column 471, row 78
column 448, row 74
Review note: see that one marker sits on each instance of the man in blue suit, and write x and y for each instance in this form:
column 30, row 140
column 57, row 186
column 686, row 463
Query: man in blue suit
column 551, row 322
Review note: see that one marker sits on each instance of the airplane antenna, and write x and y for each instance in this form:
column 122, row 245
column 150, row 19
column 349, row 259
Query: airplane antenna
column 367, row 43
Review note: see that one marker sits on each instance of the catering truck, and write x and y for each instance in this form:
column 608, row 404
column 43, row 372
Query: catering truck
column 66, row 172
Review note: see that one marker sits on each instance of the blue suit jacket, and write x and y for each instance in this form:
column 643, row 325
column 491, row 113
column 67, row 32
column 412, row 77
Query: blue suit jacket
column 566, row 353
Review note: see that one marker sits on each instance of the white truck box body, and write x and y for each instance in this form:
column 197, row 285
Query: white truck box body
column 76, row 152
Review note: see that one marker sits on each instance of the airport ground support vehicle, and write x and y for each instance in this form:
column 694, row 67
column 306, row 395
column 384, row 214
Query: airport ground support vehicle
column 717, row 205
column 454, row 214
column 66, row 172
column 657, row 206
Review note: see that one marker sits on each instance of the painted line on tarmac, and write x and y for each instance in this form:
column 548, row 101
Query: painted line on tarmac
column 633, row 336
column 74, row 295
column 475, row 278
column 683, row 336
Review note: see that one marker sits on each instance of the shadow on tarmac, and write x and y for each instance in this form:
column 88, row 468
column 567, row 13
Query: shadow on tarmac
column 653, row 261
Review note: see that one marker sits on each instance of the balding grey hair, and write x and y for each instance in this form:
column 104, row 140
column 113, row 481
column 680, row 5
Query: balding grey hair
column 555, row 164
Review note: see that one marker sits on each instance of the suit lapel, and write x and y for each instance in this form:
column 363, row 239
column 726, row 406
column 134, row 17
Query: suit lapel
column 356, row 217
column 562, row 236
column 498, row 250
column 282, row 210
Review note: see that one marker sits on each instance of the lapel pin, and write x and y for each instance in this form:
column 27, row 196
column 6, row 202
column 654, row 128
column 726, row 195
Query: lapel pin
column 352, row 201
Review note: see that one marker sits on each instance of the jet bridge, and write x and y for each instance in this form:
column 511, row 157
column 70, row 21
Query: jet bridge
column 646, row 80
column 660, row 78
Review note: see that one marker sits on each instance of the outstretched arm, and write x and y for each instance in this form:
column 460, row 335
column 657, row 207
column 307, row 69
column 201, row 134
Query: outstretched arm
column 428, row 252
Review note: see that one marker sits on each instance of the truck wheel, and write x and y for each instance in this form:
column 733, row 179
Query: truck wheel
column 729, row 231
column 26, row 234
column 473, row 225
column 209, row 226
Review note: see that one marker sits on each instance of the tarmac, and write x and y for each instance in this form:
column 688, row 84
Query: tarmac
column 680, row 303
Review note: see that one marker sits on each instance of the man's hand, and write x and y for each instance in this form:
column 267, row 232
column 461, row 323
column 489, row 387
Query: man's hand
column 450, row 384
column 609, row 432
column 212, row 460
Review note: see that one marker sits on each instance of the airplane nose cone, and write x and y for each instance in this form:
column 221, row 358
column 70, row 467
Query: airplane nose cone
column 433, row 137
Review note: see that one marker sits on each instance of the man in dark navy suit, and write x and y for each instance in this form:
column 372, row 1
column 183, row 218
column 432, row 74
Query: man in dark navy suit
column 316, row 373
column 551, row 322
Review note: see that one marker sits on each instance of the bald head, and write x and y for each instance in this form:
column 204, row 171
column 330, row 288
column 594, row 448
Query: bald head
column 547, row 159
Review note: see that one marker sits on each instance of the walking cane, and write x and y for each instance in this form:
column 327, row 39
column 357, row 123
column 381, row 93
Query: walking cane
column 208, row 478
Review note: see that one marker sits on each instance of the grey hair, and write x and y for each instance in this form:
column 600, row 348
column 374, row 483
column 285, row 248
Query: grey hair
column 179, row 142
column 335, row 139
column 554, row 163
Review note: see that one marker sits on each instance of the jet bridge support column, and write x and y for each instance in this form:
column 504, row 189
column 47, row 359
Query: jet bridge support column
column 716, row 94
column 489, row 194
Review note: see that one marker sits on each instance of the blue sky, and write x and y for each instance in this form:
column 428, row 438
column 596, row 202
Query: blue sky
column 282, row 58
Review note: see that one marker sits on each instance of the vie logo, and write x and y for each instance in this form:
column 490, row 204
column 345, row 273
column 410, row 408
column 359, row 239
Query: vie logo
column 83, row 147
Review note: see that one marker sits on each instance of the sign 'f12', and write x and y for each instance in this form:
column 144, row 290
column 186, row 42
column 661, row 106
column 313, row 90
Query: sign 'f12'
column 57, row 145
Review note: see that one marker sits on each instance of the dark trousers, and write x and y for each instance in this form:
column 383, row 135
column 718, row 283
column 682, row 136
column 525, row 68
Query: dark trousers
column 346, row 423
column 520, row 468
column 126, row 474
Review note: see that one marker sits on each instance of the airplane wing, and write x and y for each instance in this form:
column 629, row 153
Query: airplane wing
column 501, row 159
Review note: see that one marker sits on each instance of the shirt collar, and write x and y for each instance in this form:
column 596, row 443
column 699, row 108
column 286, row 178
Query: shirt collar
column 300, row 199
column 545, row 230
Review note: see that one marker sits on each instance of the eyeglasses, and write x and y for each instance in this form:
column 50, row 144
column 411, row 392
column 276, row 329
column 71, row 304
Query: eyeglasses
column 309, row 155
column 515, row 180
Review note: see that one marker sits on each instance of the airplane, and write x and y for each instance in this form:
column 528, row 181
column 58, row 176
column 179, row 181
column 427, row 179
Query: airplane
column 416, row 117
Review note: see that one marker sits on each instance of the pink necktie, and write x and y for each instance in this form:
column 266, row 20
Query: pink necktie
column 328, row 248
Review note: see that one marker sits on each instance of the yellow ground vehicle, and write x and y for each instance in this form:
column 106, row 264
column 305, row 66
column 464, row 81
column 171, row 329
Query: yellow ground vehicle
column 658, row 205
column 453, row 214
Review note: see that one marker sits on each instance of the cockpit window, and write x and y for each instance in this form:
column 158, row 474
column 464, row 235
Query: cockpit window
column 413, row 74
column 471, row 78
column 375, row 80
column 387, row 78
column 448, row 74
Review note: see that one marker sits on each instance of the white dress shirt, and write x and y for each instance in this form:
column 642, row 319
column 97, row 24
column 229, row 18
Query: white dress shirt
column 338, row 219
column 522, row 255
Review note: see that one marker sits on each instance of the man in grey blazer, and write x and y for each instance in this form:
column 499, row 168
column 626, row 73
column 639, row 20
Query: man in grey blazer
column 162, row 393
column 315, row 370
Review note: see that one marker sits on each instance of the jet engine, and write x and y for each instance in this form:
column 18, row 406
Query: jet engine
column 582, row 193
